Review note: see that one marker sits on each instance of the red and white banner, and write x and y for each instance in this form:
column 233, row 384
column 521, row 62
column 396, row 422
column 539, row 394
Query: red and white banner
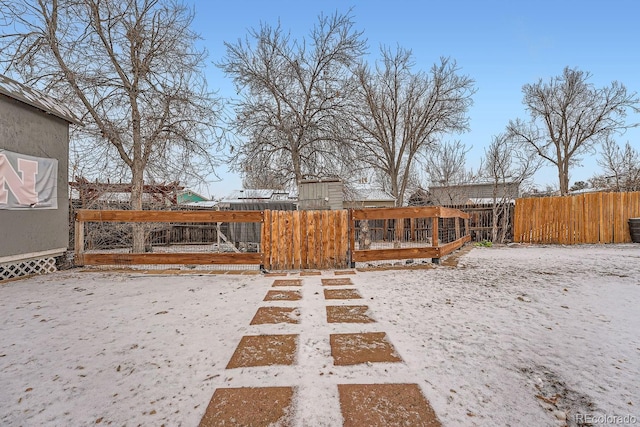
column 28, row 182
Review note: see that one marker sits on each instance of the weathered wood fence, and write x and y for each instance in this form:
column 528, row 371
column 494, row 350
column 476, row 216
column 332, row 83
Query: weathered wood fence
column 118, row 257
column 584, row 218
column 305, row 239
column 279, row 240
column 414, row 232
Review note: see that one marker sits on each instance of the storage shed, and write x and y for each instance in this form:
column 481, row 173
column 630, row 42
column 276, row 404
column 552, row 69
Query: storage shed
column 34, row 191
column 320, row 194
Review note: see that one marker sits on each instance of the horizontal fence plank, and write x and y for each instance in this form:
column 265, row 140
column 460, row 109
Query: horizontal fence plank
column 391, row 213
column 88, row 215
column 452, row 213
column 447, row 248
column 181, row 258
column 402, row 253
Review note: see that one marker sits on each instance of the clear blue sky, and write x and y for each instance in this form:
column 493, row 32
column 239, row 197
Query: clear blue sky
column 501, row 44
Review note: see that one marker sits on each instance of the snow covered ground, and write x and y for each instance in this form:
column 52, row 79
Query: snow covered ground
column 523, row 335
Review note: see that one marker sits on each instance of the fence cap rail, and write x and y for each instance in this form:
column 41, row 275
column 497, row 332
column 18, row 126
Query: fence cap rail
column 408, row 212
column 89, row 215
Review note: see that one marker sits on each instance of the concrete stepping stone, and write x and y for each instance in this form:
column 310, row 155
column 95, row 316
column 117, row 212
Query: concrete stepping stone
column 341, row 294
column 348, row 314
column 248, row 406
column 264, row 350
column 354, row 349
column 282, row 295
column 272, row 315
column 385, row 405
column 287, row 282
column 310, row 273
column 341, row 272
column 337, row 282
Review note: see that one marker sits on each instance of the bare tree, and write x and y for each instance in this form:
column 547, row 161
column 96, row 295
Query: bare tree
column 507, row 165
column 132, row 72
column 569, row 116
column 445, row 166
column 293, row 95
column 400, row 113
column 621, row 167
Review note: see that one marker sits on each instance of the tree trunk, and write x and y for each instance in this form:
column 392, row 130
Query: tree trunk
column 138, row 229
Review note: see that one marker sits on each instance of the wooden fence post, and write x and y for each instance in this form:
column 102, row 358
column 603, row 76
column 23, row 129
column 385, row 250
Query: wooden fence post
column 79, row 241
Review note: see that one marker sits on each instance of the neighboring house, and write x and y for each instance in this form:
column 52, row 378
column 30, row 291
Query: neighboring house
column 189, row 196
column 34, row 163
column 360, row 196
column 472, row 194
column 259, row 199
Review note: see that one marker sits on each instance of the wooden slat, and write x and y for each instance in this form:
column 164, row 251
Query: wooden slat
column 331, row 240
column 390, row 213
column 304, row 240
column 282, row 244
column 451, row 213
column 311, row 240
column 182, row 258
column 403, row 253
column 288, row 239
column 168, row 216
column 297, row 250
column 450, row 247
column 266, row 245
column 352, row 234
column 343, row 239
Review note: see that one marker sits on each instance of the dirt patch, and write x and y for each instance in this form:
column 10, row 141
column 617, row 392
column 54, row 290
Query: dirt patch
column 264, row 350
column 287, row 282
column 341, row 294
column 283, row 296
column 353, row 349
column 266, row 315
column 348, row 314
column 249, row 406
column 451, row 260
column 341, row 272
column 310, row 273
column 385, row 405
column 337, row 282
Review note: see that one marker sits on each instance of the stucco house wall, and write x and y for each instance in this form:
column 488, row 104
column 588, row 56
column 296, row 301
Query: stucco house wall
column 26, row 129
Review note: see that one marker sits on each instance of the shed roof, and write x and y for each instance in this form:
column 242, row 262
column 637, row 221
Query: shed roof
column 255, row 194
column 37, row 99
column 366, row 193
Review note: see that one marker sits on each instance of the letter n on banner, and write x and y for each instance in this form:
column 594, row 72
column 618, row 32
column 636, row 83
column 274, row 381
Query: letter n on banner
column 27, row 182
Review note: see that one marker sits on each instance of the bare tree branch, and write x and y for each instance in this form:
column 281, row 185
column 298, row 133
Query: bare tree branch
column 293, row 96
column 131, row 71
column 399, row 113
column 569, row 117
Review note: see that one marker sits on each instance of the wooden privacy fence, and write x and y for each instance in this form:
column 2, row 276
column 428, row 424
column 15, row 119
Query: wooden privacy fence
column 305, row 239
column 405, row 233
column 584, row 218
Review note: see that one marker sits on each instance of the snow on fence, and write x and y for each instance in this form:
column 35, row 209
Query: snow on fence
column 584, row 218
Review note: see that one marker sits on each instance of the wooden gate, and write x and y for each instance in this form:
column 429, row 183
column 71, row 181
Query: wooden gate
column 293, row 240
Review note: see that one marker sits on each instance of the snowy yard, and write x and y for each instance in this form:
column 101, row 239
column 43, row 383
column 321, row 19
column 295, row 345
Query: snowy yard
column 523, row 335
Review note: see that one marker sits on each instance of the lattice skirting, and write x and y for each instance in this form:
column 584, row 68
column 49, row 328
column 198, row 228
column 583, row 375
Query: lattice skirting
column 27, row 267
